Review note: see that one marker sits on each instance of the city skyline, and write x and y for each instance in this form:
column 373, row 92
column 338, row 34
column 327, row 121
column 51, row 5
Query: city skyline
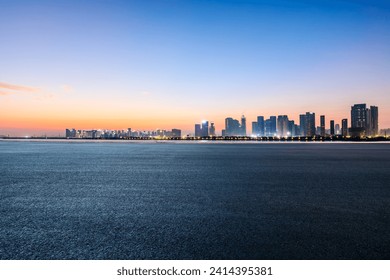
column 167, row 64
column 360, row 117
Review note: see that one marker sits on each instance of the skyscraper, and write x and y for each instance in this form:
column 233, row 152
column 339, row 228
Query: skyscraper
column 322, row 123
column 243, row 125
column 176, row 132
column 332, row 128
column 198, row 130
column 282, row 126
column 291, row 129
column 337, row 129
column 307, row 124
column 232, row 127
column 272, row 125
column 267, row 127
column 260, row 125
column 344, row 127
column 212, row 129
column 358, row 116
column 205, row 128
column 255, row 129
column 372, row 121
column 302, row 125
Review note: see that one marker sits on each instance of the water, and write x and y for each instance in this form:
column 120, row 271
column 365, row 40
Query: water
column 94, row 200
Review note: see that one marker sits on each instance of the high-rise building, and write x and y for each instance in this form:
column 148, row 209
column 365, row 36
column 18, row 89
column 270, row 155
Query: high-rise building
column 70, row 133
column 364, row 121
column 282, row 126
column 198, row 130
column 212, row 129
column 310, row 124
column 307, row 123
column 205, row 128
column 291, row 129
column 267, row 128
column 302, row 125
column 232, row 127
column 358, row 116
column 255, row 129
column 372, row 121
column 272, row 125
column 176, row 132
column 260, row 125
column 332, row 128
column 344, row 127
column 337, row 129
column 322, row 124
column 243, row 126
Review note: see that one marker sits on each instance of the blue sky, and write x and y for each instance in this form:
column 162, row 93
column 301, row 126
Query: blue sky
column 165, row 61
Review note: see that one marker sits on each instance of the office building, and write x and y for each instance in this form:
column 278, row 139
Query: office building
column 212, row 129
column 282, row 126
column 307, row 124
column 332, row 128
column 260, row 125
column 198, row 130
column 358, row 116
column 255, row 129
column 243, row 126
column 344, row 127
column 322, row 126
column 372, row 121
column 337, row 129
column 205, row 128
column 176, row 132
column 232, row 127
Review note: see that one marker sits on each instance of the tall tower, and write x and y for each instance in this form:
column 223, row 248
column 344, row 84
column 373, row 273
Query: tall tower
column 272, row 125
column 322, row 124
column 212, row 129
column 344, row 127
column 260, row 125
column 358, row 116
column 372, row 118
column 332, row 128
column 198, row 130
column 282, row 126
column 243, row 125
column 310, row 124
column 205, row 128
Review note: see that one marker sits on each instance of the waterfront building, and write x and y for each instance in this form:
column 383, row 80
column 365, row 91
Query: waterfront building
column 243, row 126
column 337, row 129
column 291, row 128
column 212, row 129
column 176, row 132
column 364, row 121
column 332, row 128
column 302, row 125
column 344, row 127
column 282, row 126
column 358, row 116
column 232, row 127
column 372, row 121
column 205, row 128
column 307, row 123
column 255, row 129
column 322, row 125
column 260, row 125
column 198, row 130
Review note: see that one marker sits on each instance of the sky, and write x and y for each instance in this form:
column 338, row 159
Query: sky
column 170, row 64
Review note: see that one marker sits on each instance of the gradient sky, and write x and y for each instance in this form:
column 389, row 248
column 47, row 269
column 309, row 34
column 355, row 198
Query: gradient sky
column 169, row 64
